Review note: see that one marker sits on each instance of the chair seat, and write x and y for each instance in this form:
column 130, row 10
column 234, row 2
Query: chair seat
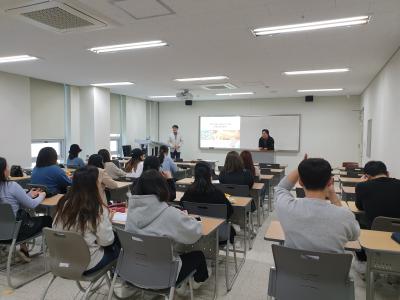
column 98, row 274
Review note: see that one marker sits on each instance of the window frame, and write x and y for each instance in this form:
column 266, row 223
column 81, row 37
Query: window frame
column 61, row 157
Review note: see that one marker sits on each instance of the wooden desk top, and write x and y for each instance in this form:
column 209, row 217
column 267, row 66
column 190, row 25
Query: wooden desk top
column 188, row 181
column 353, row 207
column 209, row 225
column 52, row 201
column 378, row 241
column 349, row 179
column 257, row 186
column 275, row 233
column 234, row 200
column 266, row 177
column 277, row 170
column 349, row 189
column 25, row 177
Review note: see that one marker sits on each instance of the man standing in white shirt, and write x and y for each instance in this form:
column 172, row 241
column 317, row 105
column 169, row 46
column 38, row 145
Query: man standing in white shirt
column 175, row 142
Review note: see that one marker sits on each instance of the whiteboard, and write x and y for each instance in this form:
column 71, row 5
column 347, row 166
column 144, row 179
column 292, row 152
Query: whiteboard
column 285, row 129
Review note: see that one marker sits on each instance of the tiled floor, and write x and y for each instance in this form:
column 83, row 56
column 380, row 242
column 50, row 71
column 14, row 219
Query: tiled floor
column 251, row 283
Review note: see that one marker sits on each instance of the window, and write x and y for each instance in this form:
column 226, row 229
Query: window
column 115, row 142
column 58, row 145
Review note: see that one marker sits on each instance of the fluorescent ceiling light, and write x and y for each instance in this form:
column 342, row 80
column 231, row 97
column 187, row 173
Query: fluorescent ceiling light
column 312, row 25
column 17, row 58
column 320, row 90
column 202, row 78
column 112, row 83
column 310, row 72
column 131, row 46
column 235, row 94
column 158, row 97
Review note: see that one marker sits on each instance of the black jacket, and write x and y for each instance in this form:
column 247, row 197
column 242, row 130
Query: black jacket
column 240, row 178
column 269, row 143
column 379, row 197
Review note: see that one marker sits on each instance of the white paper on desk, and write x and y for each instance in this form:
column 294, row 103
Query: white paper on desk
column 119, row 217
column 215, row 181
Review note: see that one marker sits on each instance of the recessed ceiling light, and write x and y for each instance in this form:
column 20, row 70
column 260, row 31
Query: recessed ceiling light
column 310, row 72
column 202, row 78
column 17, row 58
column 125, row 47
column 235, row 94
column 320, row 90
column 158, row 97
column 112, row 83
column 312, row 25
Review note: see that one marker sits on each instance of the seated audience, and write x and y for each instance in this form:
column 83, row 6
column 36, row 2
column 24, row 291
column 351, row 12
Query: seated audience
column 47, row 172
column 73, row 160
column 248, row 163
column 134, row 167
column 82, row 210
column 379, row 195
column 149, row 214
column 153, row 163
column 203, row 191
column 104, row 180
column 313, row 223
column 234, row 171
column 167, row 164
column 12, row 193
column 109, row 166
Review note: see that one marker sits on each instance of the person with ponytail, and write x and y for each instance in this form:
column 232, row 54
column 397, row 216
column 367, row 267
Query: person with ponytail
column 203, row 191
column 167, row 164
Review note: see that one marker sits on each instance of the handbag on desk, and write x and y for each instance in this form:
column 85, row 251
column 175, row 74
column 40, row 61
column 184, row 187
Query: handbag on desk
column 16, row 171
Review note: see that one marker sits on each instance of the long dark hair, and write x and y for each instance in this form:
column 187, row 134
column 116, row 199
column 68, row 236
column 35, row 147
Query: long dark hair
column 47, row 157
column 248, row 162
column 163, row 153
column 152, row 183
column 136, row 158
column 3, row 167
column 105, row 155
column 82, row 205
column 151, row 163
column 233, row 163
column 202, row 179
column 74, row 151
column 96, row 161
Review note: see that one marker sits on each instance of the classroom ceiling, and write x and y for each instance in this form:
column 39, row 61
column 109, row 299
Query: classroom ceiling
column 206, row 38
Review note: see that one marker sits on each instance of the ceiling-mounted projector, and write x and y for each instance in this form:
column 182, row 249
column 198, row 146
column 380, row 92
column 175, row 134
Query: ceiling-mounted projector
column 184, row 95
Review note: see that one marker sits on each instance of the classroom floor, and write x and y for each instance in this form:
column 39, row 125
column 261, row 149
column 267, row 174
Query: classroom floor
column 251, row 283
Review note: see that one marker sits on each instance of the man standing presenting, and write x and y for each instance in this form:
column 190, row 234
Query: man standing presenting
column 266, row 142
column 175, row 142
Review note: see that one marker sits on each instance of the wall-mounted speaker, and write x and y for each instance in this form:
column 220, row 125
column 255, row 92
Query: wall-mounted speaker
column 188, row 102
column 309, row 98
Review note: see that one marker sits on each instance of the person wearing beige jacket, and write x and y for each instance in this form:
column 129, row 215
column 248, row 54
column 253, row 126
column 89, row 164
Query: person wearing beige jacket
column 104, row 180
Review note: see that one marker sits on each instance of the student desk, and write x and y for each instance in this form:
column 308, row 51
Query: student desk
column 208, row 243
column 275, row 233
column 348, row 181
column 49, row 203
column 383, row 255
column 349, row 193
column 241, row 207
column 25, row 177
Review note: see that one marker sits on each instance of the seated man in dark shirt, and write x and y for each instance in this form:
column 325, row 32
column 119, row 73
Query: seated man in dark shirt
column 379, row 195
column 266, row 142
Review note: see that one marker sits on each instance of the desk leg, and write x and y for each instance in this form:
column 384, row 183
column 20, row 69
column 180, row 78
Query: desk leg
column 216, row 264
column 370, row 281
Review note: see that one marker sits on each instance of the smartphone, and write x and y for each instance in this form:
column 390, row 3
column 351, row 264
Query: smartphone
column 396, row 237
column 198, row 218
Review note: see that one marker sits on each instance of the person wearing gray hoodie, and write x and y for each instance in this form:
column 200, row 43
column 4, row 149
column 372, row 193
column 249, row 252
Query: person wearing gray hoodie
column 149, row 214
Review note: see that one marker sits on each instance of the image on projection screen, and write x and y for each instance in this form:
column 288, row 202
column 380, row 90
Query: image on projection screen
column 220, row 132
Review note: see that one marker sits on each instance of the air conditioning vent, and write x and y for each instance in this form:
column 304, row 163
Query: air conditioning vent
column 57, row 16
column 219, row 86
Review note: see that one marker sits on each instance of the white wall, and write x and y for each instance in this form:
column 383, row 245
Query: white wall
column 135, row 120
column 115, row 113
column 152, row 120
column 381, row 104
column 15, row 119
column 101, row 118
column 330, row 126
column 48, row 114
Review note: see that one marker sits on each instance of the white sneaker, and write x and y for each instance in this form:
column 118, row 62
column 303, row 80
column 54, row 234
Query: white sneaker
column 236, row 227
column 196, row 285
column 183, row 290
column 360, row 267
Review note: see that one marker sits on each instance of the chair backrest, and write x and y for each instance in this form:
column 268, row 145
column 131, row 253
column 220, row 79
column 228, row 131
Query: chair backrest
column 311, row 275
column 234, row 189
column 264, row 171
column 206, row 209
column 116, row 162
column 146, row 261
column 386, row 224
column 7, row 222
column 300, row 193
column 68, row 253
column 352, row 173
column 273, row 166
column 127, row 150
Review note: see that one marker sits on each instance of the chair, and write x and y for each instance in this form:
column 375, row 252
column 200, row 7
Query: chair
column 215, row 211
column 300, row 193
column 234, row 189
column 70, row 263
column 265, row 171
column 9, row 230
column 386, row 224
column 127, row 150
column 300, row 274
column 148, row 263
column 117, row 163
